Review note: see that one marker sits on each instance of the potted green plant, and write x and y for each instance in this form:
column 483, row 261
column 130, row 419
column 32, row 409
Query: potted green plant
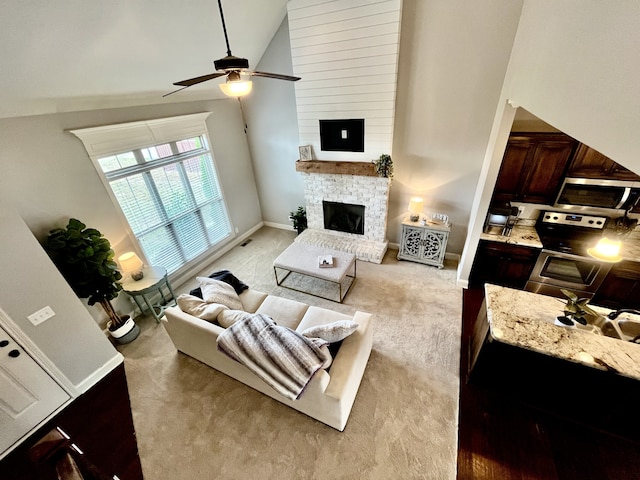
column 384, row 166
column 299, row 219
column 576, row 309
column 85, row 259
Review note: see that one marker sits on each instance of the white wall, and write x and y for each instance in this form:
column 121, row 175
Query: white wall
column 453, row 58
column 346, row 54
column 270, row 112
column 581, row 73
column 48, row 176
column 71, row 340
column 575, row 66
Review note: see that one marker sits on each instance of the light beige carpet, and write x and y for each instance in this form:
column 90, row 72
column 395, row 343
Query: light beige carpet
column 193, row 422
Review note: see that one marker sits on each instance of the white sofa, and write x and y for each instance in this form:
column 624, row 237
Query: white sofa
column 330, row 394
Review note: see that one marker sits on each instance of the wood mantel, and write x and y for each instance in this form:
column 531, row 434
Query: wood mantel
column 365, row 169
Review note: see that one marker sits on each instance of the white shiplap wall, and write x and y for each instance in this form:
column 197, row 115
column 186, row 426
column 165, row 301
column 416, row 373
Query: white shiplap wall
column 346, row 52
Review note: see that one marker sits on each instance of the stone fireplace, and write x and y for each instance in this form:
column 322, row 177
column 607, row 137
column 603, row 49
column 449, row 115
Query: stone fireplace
column 346, row 108
column 365, row 189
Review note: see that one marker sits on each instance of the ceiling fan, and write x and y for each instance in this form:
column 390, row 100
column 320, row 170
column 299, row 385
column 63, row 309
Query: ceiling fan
column 234, row 68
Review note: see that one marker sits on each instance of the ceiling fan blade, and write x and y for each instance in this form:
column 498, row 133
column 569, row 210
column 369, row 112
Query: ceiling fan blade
column 196, row 80
column 275, row 75
column 175, row 91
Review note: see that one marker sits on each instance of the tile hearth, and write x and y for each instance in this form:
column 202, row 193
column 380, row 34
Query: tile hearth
column 366, row 250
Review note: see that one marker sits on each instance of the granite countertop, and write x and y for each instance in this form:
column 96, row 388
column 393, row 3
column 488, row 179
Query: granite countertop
column 526, row 320
column 631, row 248
column 524, row 235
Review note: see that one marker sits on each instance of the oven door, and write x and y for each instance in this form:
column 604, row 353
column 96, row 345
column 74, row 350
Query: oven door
column 555, row 271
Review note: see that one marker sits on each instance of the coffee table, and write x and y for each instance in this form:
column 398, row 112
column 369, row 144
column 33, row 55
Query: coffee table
column 302, row 259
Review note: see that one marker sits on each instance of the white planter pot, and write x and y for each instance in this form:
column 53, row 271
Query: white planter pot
column 128, row 332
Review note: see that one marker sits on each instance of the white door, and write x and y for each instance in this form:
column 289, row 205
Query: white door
column 27, row 393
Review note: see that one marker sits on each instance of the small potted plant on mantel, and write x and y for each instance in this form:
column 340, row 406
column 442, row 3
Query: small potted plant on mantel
column 85, row 260
column 384, row 166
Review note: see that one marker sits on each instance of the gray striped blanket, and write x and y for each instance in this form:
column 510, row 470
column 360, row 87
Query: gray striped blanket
column 281, row 357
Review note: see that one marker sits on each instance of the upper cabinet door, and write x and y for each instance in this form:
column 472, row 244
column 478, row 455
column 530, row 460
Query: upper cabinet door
column 532, row 167
column 28, row 394
column 544, row 173
column 513, row 169
column 590, row 163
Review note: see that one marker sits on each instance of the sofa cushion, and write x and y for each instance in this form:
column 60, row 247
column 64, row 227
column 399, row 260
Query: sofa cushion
column 199, row 308
column 227, row 317
column 319, row 316
column 283, row 311
column 332, row 332
column 215, row 291
column 251, row 300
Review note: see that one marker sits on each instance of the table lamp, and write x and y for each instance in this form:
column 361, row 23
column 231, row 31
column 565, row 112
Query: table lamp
column 415, row 208
column 606, row 250
column 131, row 264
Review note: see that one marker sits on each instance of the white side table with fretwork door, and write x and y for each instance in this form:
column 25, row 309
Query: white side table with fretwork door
column 424, row 243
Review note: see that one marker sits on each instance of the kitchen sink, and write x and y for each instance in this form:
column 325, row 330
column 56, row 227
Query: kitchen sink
column 610, row 329
column 628, row 327
column 621, row 328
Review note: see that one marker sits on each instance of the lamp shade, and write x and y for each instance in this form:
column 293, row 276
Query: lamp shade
column 236, row 88
column 416, row 205
column 131, row 264
column 606, row 250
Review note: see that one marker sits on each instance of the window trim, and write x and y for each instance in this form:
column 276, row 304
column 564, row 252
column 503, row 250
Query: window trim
column 120, row 138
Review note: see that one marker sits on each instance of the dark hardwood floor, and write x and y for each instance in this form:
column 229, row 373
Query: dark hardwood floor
column 503, row 436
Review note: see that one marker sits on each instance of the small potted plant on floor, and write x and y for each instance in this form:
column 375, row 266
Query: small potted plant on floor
column 299, row 219
column 85, row 259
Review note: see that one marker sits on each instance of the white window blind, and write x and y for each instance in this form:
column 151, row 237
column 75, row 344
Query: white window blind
column 170, row 195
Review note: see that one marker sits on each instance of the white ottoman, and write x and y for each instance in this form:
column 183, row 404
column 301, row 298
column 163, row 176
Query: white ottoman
column 302, row 258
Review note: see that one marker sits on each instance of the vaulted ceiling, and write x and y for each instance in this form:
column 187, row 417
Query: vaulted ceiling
column 77, row 54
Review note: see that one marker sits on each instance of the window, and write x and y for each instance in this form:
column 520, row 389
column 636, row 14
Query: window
column 170, row 195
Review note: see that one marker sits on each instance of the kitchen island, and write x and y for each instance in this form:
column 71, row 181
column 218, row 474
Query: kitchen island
column 517, row 349
column 527, row 320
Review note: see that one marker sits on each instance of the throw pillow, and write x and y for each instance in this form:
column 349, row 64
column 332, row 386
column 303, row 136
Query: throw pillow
column 229, row 317
column 332, row 332
column 199, row 308
column 215, row 291
column 224, row 276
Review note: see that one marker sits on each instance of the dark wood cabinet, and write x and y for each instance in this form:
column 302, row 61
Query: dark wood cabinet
column 589, row 163
column 99, row 422
column 533, row 166
column 502, row 264
column 621, row 287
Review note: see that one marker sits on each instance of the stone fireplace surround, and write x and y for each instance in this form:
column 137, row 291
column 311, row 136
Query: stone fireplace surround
column 338, row 183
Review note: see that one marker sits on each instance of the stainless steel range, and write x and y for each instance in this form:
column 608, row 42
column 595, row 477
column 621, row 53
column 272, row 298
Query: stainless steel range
column 564, row 262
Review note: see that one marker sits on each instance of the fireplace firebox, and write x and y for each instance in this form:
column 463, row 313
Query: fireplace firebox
column 343, row 217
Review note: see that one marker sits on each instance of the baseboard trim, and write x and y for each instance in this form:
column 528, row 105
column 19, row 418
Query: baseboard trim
column 281, row 226
column 99, row 374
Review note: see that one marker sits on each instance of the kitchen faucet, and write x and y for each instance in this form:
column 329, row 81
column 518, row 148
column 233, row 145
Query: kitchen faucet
column 614, row 315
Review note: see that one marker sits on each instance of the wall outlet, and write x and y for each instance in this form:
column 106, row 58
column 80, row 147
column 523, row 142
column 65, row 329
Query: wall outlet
column 41, row 315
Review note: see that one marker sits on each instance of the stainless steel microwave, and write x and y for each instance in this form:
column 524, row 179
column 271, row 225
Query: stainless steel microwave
column 590, row 193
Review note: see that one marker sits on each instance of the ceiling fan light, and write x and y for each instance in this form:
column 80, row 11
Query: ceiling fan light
column 236, row 88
